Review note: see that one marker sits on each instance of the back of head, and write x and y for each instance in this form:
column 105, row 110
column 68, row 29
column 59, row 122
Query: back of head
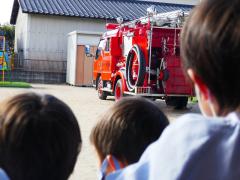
column 210, row 46
column 39, row 138
column 128, row 128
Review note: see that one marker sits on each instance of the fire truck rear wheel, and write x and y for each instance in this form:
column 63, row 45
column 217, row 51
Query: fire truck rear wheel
column 135, row 63
column 100, row 84
column 177, row 102
column 118, row 91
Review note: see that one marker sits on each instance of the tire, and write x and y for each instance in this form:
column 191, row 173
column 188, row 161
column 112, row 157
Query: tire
column 152, row 98
column 118, row 90
column 101, row 94
column 177, row 102
column 135, row 68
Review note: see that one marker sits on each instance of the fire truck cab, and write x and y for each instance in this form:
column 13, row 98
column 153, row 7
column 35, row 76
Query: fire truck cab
column 142, row 57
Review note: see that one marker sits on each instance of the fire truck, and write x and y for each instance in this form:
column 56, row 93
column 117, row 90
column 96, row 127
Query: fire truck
column 142, row 57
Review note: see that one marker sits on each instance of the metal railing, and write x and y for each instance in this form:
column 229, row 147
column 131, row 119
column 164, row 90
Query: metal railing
column 38, row 71
column 37, row 65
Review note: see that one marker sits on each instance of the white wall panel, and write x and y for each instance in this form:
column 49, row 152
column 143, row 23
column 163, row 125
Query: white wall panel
column 21, row 32
column 71, row 59
column 48, row 35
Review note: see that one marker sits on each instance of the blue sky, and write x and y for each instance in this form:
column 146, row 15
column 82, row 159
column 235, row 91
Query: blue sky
column 5, row 11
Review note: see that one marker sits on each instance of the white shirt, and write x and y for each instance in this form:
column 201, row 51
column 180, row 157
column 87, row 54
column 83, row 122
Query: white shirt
column 191, row 148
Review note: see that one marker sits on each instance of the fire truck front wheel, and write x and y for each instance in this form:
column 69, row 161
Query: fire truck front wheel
column 118, row 92
column 100, row 84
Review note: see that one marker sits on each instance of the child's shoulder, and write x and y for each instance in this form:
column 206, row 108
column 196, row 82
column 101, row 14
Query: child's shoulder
column 197, row 124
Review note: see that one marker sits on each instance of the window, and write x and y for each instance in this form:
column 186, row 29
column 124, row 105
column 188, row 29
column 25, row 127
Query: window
column 107, row 48
column 101, row 46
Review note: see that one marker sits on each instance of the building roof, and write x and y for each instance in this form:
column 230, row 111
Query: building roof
column 101, row 9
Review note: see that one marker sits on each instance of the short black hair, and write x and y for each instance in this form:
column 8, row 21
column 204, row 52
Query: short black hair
column 39, row 138
column 127, row 128
column 210, row 45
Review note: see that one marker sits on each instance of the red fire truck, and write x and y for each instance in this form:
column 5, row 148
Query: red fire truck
column 142, row 57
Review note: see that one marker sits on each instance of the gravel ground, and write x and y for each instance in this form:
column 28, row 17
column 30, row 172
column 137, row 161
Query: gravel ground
column 87, row 108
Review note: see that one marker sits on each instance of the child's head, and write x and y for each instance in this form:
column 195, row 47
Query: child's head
column 39, row 138
column 210, row 49
column 127, row 128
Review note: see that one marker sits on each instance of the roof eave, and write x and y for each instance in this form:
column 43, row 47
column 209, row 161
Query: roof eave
column 15, row 10
column 63, row 15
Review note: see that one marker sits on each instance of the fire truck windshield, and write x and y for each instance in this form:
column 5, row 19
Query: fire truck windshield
column 102, row 44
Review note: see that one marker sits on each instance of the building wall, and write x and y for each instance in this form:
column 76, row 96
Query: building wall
column 48, row 35
column 41, row 44
column 21, row 33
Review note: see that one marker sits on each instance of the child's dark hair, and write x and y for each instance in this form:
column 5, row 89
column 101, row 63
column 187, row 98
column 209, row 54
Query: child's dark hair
column 128, row 128
column 39, row 138
column 210, row 45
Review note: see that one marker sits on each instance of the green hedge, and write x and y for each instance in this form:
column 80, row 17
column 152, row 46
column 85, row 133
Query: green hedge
column 15, row 84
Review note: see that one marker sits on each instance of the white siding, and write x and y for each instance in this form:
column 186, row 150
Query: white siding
column 71, row 59
column 21, row 32
column 48, row 35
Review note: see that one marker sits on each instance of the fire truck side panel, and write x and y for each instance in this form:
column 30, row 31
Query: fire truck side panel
column 165, row 45
column 97, row 64
column 177, row 83
column 96, row 68
column 115, row 48
column 106, row 66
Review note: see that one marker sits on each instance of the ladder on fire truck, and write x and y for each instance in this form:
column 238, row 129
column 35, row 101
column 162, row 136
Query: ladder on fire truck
column 172, row 18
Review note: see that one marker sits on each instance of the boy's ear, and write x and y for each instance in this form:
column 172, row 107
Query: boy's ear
column 199, row 83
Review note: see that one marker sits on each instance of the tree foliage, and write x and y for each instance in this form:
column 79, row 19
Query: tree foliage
column 9, row 32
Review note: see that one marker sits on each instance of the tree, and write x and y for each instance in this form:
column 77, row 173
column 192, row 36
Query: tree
column 9, row 32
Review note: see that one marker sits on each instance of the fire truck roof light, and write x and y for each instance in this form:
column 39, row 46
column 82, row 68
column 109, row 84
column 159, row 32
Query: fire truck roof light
column 119, row 20
column 172, row 18
column 151, row 10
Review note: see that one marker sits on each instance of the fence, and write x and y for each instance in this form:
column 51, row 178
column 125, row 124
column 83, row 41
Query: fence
column 40, row 65
column 38, row 71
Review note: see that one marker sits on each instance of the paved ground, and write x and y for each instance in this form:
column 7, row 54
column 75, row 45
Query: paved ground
column 87, row 108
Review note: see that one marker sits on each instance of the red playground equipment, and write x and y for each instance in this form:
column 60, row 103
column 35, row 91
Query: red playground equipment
column 142, row 57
